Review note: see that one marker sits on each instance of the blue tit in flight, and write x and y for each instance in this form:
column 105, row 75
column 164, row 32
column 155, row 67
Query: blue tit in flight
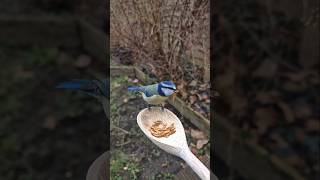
column 100, row 89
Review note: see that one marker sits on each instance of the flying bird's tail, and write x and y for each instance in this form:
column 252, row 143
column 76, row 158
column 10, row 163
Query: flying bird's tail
column 74, row 84
column 95, row 88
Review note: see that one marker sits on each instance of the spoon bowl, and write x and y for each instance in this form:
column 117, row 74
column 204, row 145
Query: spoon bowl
column 176, row 143
column 172, row 144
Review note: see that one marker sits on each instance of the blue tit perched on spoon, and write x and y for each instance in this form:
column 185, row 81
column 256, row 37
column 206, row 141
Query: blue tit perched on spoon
column 155, row 94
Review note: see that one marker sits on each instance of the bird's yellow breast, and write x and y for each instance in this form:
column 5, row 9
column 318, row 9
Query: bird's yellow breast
column 155, row 99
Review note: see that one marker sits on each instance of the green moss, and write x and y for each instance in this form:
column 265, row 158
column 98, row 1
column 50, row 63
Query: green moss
column 122, row 166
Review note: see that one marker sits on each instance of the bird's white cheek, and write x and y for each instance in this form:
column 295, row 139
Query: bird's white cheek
column 167, row 92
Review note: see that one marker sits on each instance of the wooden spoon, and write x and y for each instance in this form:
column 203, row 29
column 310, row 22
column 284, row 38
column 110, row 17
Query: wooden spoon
column 176, row 143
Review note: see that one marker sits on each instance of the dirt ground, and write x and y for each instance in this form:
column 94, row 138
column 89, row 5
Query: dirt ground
column 45, row 133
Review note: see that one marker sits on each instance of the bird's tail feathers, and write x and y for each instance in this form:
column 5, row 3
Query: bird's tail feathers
column 134, row 88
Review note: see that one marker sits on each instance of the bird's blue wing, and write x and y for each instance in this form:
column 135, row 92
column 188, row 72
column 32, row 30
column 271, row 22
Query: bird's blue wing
column 148, row 93
column 151, row 90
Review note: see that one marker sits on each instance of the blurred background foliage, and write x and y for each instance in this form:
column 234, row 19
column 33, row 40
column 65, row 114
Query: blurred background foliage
column 167, row 40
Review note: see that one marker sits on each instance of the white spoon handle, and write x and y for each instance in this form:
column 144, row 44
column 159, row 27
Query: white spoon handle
column 198, row 167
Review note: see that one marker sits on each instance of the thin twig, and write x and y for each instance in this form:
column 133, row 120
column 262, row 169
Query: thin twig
column 122, row 144
column 119, row 128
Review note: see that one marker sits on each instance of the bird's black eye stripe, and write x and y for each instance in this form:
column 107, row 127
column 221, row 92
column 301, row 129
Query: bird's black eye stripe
column 170, row 88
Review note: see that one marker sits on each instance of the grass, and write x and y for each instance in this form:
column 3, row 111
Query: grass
column 40, row 57
column 204, row 150
column 163, row 176
column 116, row 83
column 122, row 163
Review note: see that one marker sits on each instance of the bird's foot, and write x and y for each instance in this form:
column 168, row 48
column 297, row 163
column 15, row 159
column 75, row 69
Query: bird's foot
column 162, row 107
column 149, row 107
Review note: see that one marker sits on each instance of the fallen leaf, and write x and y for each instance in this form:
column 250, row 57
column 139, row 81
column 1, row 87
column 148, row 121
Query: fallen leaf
column 182, row 89
column 312, row 125
column 216, row 93
column 198, row 108
column 265, row 97
column 225, row 80
column 203, row 87
column 184, row 94
column 153, row 69
column 302, row 110
column 201, row 143
column 280, row 142
column 187, row 130
column 204, row 96
column 23, row 73
column 309, row 45
column 262, row 126
column 299, row 135
column 267, row 69
column 199, row 97
column 192, row 99
column 50, row 123
column 193, row 83
column 196, row 134
column 239, row 104
column 296, row 76
column 183, row 165
column 182, row 85
column 287, row 111
column 241, row 69
column 294, row 86
column 194, row 91
column 68, row 174
column 194, row 150
column 294, row 160
column 164, row 164
column 314, row 78
column 264, row 118
column 83, row 61
column 135, row 81
column 63, row 58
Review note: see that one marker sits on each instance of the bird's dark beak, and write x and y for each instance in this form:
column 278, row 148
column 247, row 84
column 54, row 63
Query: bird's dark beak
column 174, row 94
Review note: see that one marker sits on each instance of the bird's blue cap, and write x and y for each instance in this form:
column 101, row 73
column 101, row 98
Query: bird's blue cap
column 168, row 84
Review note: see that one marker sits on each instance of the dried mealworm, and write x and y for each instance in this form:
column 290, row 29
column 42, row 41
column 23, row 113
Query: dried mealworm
column 160, row 129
